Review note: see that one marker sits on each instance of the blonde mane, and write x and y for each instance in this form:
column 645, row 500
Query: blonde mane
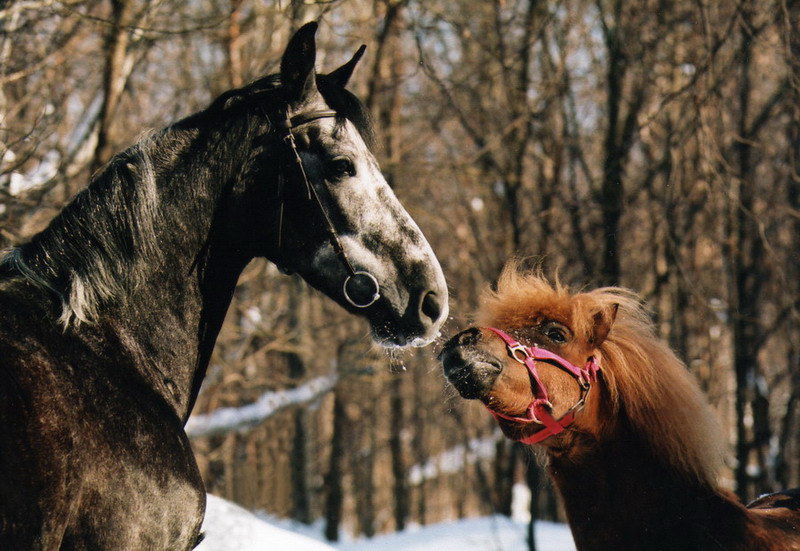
column 643, row 378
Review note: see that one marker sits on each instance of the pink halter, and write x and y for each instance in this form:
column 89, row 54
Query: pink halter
column 539, row 409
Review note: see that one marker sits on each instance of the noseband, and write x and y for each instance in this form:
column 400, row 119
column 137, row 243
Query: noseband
column 355, row 278
column 538, row 411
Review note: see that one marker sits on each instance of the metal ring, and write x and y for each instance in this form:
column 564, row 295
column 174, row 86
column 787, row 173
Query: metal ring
column 375, row 296
column 526, row 354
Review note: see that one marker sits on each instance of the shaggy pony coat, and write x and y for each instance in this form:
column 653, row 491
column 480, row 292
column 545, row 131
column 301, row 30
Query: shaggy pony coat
column 639, row 467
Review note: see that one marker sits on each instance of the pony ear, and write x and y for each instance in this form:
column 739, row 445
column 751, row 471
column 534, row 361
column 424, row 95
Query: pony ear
column 297, row 63
column 342, row 75
column 603, row 320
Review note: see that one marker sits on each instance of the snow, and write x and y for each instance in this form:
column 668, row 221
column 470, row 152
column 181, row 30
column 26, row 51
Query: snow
column 495, row 533
column 39, row 175
column 226, row 419
column 229, row 527
column 453, row 460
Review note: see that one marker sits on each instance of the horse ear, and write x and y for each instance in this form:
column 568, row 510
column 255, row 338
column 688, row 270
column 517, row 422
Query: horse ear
column 603, row 320
column 297, row 63
column 342, row 75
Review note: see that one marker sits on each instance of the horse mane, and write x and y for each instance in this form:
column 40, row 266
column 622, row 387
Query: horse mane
column 101, row 244
column 644, row 379
column 94, row 249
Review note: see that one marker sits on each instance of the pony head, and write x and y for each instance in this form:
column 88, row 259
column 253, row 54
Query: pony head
column 641, row 386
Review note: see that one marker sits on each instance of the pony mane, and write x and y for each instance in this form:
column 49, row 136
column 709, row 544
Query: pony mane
column 644, row 379
column 660, row 397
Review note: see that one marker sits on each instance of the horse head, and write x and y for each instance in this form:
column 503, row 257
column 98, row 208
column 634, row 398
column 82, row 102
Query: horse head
column 534, row 359
column 332, row 218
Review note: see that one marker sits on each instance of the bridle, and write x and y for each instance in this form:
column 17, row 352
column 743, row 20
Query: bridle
column 355, row 278
column 538, row 411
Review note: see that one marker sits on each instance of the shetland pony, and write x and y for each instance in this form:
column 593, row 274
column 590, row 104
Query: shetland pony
column 633, row 446
column 108, row 317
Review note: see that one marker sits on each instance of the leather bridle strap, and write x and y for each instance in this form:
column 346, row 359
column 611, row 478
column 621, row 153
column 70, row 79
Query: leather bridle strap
column 538, row 411
column 353, row 276
column 311, row 116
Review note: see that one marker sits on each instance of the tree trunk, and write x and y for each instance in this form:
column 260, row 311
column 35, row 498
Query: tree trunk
column 301, row 495
column 533, row 478
column 233, row 45
column 333, row 479
column 505, row 467
column 747, row 252
column 114, row 77
column 611, row 186
column 787, row 462
column 399, row 471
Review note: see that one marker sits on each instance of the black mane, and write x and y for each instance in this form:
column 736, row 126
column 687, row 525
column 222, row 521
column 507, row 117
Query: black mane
column 89, row 251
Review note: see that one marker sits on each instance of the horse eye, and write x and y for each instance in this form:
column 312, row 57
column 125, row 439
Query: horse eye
column 339, row 168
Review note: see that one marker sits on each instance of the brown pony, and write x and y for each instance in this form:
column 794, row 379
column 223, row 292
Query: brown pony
column 635, row 448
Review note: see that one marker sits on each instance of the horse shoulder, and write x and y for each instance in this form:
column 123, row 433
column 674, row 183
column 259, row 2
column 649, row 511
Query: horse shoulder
column 35, row 488
column 77, row 430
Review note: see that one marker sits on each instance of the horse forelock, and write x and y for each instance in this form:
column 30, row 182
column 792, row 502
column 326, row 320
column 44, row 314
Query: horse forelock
column 347, row 105
column 643, row 378
column 265, row 93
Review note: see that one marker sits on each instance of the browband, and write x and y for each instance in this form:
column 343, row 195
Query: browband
column 304, row 118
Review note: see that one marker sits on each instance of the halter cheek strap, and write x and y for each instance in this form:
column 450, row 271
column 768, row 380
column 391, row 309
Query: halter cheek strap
column 357, row 281
column 538, row 411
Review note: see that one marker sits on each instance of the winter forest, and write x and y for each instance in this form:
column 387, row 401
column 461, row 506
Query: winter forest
column 652, row 144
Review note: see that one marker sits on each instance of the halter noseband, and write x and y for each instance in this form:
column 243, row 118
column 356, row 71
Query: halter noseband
column 538, row 411
column 355, row 278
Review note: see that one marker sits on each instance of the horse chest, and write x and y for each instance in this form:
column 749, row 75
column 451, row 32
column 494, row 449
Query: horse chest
column 141, row 512
column 109, row 470
column 142, row 491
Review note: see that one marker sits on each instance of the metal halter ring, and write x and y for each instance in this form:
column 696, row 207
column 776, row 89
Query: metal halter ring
column 375, row 296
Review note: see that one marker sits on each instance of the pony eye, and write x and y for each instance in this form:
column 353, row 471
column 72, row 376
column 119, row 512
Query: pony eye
column 556, row 333
column 340, row 168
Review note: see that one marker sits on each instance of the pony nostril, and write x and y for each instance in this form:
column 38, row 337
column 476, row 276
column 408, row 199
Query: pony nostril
column 468, row 337
column 430, row 306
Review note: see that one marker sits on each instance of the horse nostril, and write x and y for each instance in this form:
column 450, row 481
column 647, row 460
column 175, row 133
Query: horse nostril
column 431, row 306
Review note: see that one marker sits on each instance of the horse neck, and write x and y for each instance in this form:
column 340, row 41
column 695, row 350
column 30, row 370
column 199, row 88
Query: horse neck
column 169, row 320
column 618, row 495
column 168, row 330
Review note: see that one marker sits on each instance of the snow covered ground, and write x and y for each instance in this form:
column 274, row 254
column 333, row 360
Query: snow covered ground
column 229, row 527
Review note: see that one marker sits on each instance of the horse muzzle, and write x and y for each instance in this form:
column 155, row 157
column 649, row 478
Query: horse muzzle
column 417, row 325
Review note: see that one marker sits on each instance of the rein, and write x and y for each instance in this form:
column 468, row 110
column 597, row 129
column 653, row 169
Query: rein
column 356, row 279
column 538, row 411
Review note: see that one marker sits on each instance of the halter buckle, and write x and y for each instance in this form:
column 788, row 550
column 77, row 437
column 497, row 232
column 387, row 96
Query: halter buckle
column 517, row 347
